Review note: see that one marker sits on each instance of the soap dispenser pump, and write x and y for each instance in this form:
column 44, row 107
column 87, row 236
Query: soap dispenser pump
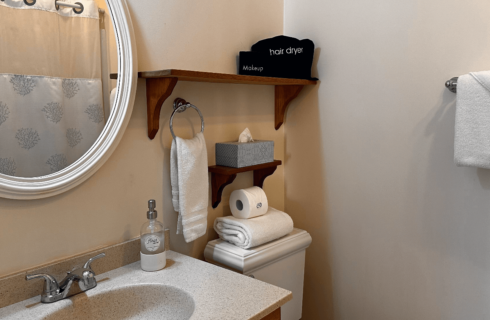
column 153, row 255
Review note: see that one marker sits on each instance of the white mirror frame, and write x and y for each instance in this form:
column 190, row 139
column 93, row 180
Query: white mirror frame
column 73, row 175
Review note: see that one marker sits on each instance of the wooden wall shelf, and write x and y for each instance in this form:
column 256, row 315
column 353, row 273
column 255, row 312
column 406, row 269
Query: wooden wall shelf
column 161, row 83
column 222, row 176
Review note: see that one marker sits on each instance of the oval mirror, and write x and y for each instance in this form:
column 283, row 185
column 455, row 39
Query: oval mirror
column 61, row 116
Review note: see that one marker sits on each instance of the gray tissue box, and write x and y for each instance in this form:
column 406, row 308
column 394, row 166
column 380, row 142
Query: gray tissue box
column 244, row 154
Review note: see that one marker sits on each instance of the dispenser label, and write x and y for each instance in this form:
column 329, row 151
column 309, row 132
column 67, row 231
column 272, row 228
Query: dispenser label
column 152, row 243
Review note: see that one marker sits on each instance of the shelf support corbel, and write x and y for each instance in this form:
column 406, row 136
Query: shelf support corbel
column 218, row 183
column 284, row 94
column 261, row 174
column 157, row 91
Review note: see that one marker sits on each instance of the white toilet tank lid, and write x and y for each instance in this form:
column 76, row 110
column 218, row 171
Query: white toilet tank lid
column 247, row 260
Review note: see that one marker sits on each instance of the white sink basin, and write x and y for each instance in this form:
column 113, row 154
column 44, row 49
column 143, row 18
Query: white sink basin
column 145, row 301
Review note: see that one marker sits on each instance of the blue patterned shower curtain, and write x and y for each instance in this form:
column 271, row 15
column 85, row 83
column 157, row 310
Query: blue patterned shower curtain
column 51, row 108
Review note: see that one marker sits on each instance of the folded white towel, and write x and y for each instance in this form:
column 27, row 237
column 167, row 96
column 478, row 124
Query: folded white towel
column 189, row 180
column 249, row 233
column 472, row 126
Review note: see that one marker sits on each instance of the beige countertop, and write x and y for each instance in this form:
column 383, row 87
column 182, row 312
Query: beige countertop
column 215, row 292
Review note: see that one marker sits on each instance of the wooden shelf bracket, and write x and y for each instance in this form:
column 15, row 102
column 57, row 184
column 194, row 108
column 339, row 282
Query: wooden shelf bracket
column 261, row 174
column 222, row 176
column 283, row 96
column 218, row 183
column 157, row 91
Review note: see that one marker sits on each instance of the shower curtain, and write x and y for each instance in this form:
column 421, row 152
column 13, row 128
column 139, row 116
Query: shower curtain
column 51, row 104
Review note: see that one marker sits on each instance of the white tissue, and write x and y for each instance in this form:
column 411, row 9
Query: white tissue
column 248, row 203
column 245, row 136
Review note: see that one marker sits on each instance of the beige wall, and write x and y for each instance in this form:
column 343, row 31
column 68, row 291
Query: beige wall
column 111, row 206
column 111, row 37
column 399, row 232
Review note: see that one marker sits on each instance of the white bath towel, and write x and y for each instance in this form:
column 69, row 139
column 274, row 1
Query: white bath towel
column 472, row 127
column 189, row 180
column 249, row 233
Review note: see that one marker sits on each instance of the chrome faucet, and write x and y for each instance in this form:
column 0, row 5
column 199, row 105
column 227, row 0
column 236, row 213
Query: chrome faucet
column 84, row 276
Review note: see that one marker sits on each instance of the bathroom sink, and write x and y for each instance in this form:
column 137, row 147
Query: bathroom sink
column 145, row 301
column 186, row 289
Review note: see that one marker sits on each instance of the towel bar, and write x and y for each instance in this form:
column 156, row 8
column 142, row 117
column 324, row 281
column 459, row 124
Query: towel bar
column 452, row 84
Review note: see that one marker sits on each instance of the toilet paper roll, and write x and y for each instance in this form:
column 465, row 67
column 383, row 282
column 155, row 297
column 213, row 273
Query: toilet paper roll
column 248, row 203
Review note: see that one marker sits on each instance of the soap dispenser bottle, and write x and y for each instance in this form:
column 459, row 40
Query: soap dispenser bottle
column 153, row 255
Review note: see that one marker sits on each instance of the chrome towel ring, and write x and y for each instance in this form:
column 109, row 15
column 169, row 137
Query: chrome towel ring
column 180, row 105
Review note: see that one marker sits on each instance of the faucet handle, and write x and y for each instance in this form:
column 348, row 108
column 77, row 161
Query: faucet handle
column 51, row 286
column 89, row 262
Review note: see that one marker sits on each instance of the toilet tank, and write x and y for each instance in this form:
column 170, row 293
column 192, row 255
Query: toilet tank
column 280, row 262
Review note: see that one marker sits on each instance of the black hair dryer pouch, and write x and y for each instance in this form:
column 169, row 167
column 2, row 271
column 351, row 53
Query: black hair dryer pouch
column 280, row 57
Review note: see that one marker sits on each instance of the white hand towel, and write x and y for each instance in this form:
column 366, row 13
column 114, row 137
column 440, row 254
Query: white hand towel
column 189, row 180
column 249, row 233
column 112, row 98
column 472, row 126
